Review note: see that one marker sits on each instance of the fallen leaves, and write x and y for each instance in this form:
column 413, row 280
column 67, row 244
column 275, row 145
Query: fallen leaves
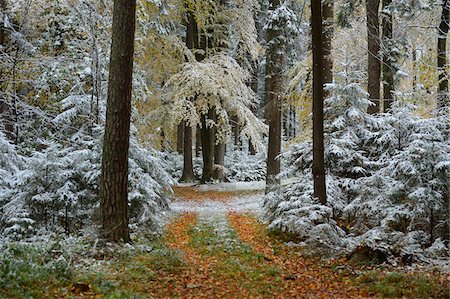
column 196, row 195
column 302, row 277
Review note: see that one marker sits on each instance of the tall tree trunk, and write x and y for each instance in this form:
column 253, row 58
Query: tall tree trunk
column 188, row 169
column 208, row 139
column 327, row 37
column 180, row 137
column 5, row 107
column 274, row 70
column 114, row 177
column 443, row 97
column 373, row 50
column 318, row 167
column 388, row 67
column 254, row 109
column 219, row 160
column 198, row 143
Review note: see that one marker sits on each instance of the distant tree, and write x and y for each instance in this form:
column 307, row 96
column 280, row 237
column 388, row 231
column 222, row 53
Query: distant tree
column 273, row 85
column 328, row 23
column 186, row 128
column 373, row 52
column 114, row 177
column 388, row 59
column 442, row 54
column 318, row 168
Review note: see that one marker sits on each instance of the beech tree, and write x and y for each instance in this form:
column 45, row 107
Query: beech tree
column 318, row 167
column 114, row 177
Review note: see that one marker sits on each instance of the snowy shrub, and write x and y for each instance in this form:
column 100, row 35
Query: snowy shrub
column 58, row 188
column 242, row 167
column 387, row 179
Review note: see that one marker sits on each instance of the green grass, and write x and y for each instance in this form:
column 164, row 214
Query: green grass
column 237, row 261
column 32, row 271
column 398, row 285
column 25, row 268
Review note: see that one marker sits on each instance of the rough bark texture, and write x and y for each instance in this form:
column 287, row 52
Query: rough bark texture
column 373, row 50
column 443, row 97
column 188, row 169
column 208, row 139
column 388, row 68
column 274, row 69
column 114, row 177
column 318, row 168
column 327, row 37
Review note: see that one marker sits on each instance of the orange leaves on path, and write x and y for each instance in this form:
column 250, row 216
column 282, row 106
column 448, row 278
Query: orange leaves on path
column 302, row 278
column 196, row 195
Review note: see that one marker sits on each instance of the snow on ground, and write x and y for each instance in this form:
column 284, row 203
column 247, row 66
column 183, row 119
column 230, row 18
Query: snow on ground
column 243, row 204
column 248, row 203
column 223, row 187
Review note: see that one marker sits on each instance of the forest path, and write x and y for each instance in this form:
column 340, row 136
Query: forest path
column 229, row 253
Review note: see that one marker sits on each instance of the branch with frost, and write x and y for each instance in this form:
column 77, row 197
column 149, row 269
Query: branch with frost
column 220, row 83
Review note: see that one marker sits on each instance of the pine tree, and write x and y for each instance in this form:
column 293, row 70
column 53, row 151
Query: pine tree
column 114, row 179
column 318, row 167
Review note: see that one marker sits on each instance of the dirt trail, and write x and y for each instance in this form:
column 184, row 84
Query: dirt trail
column 229, row 253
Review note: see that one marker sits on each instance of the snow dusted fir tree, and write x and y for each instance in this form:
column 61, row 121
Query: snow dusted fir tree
column 387, row 180
column 293, row 209
column 52, row 183
column 58, row 188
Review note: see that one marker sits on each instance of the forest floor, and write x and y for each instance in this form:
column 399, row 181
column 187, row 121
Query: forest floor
column 215, row 246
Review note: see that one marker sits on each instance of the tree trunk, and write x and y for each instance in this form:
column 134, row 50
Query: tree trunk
column 208, row 139
column 198, row 143
column 274, row 70
column 188, row 169
column 5, row 107
column 443, row 97
column 388, row 68
column 318, row 167
column 236, row 131
column 114, row 176
column 327, row 37
column 373, row 50
column 219, row 160
column 254, row 109
column 180, row 137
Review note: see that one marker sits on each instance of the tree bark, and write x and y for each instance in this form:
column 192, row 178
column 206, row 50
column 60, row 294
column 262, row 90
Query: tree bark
column 388, row 67
column 373, row 51
column 188, row 169
column 5, row 107
column 443, row 97
column 327, row 37
column 318, row 167
column 198, row 143
column 219, row 160
column 208, row 139
column 180, row 137
column 274, row 70
column 114, row 176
